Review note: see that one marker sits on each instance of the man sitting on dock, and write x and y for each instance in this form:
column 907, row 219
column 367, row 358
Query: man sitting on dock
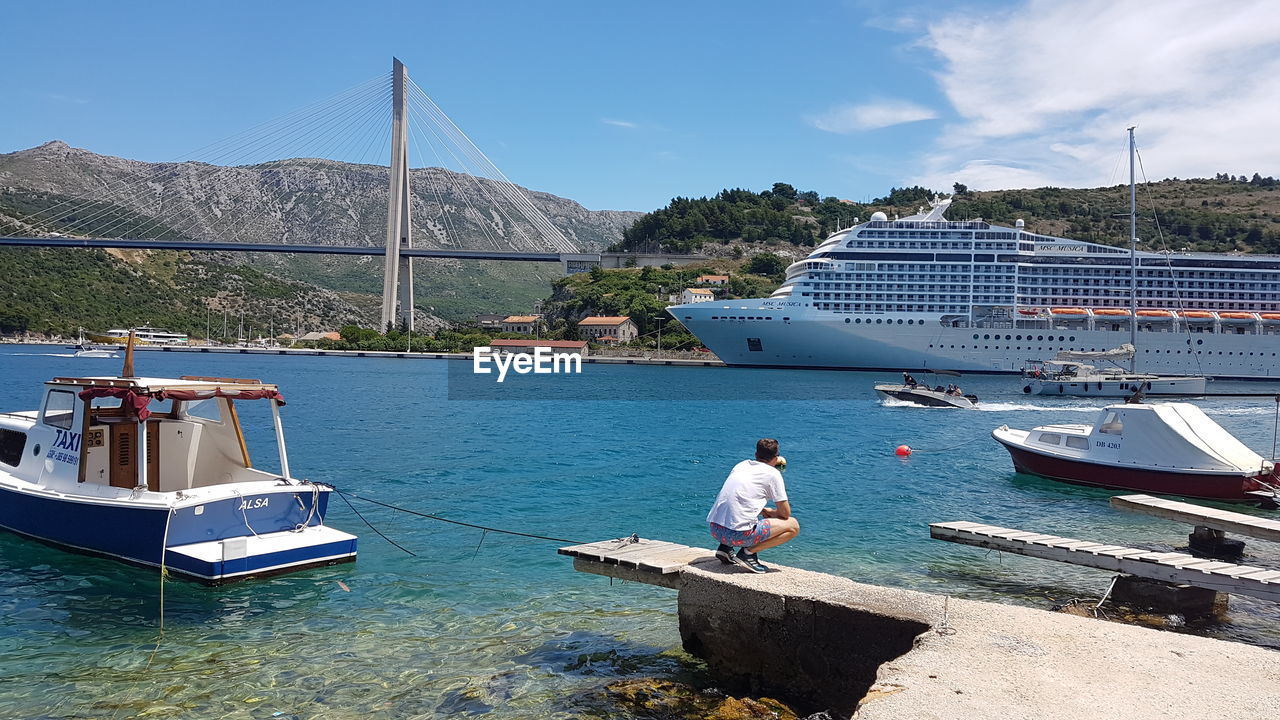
column 740, row 518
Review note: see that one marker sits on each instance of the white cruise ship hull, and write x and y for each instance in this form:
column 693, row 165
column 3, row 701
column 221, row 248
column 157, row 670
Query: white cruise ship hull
column 786, row 333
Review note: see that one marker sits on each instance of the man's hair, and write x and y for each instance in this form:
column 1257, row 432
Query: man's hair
column 766, row 449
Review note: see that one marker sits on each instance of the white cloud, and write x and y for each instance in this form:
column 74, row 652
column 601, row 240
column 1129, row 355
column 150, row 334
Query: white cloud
column 1052, row 86
column 846, row 119
column 619, row 123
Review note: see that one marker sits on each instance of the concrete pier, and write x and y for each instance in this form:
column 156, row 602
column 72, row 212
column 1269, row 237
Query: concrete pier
column 826, row 642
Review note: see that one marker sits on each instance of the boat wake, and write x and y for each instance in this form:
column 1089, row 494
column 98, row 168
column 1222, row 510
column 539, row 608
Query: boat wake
column 68, row 355
column 1008, row 406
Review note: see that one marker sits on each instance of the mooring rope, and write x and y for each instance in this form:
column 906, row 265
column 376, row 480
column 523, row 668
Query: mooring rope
column 486, row 528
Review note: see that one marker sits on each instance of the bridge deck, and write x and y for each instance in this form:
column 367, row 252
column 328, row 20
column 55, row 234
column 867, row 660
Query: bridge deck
column 1164, row 566
column 1224, row 520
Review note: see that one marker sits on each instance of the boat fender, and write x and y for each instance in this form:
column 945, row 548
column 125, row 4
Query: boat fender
column 1026, row 389
column 1060, row 389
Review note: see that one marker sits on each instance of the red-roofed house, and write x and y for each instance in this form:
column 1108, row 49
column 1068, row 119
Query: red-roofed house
column 527, row 324
column 618, row 329
column 696, row 295
column 712, row 279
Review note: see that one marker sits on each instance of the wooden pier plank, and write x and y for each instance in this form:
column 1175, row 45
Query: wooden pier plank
column 1163, row 566
column 1224, row 520
column 636, row 559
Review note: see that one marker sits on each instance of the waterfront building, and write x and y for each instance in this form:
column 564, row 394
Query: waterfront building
column 712, row 280
column 527, row 324
column 608, row 329
column 558, row 347
column 696, row 295
column 317, row 335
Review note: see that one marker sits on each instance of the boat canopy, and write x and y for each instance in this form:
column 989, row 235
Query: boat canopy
column 1177, row 435
column 1122, row 354
column 137, row 393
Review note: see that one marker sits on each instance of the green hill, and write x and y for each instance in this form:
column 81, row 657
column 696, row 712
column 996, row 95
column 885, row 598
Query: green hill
column 1222, row 214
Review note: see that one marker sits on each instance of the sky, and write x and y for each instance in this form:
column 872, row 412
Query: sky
column 625, row 105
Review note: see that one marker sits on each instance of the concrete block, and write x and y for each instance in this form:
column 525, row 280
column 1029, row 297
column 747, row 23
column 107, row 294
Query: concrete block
column 1167, row 598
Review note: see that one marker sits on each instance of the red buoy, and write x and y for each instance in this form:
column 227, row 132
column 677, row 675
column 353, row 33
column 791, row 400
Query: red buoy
column 903, row 450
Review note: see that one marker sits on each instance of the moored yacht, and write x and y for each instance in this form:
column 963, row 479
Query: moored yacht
column 156, row 471
column 1164, row 448
column 1068, row 373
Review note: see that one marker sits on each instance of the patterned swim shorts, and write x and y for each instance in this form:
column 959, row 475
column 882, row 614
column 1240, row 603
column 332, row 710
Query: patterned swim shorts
column 742, row 538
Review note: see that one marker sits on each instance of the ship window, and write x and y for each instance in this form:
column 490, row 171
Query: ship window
column 1077, row 442
column 753, row 345
column 1112, row 425
column 847, row 320
column 59, row 409
column 1051, row 438
column 12, row 443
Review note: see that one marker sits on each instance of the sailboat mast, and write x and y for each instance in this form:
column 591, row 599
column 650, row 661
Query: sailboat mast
column 1133, row 259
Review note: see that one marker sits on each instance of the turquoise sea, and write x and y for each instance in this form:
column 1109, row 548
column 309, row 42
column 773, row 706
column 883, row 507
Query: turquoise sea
column 501, row 625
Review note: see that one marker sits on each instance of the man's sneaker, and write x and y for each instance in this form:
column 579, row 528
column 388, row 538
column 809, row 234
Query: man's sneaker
column 749, row 561
column 724, row 554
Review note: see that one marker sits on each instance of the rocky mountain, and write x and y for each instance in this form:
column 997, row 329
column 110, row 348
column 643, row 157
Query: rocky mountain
column 305, row 201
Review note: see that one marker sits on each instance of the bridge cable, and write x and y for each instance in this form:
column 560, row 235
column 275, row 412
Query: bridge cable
column 204, row 175
column 518, row 197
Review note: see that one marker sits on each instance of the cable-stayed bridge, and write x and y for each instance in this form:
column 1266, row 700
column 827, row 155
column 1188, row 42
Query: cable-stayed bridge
column 259, row 192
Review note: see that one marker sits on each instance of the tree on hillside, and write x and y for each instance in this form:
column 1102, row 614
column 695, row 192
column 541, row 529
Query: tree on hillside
column 769, row 265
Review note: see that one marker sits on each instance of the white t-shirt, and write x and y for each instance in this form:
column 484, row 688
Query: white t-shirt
column 749, row 487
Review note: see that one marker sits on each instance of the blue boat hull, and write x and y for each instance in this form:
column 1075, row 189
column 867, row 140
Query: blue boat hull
column 137, row 534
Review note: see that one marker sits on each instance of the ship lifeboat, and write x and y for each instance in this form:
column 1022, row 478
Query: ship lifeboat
column 1028, row 311
column 1155, row 313
column 1237, row 316
column 1270, row 317
column 1112, row 312
column 1069, row 311
column 1196, row 314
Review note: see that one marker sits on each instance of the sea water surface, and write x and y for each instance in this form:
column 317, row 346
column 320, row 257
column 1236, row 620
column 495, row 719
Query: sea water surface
column 497, row 625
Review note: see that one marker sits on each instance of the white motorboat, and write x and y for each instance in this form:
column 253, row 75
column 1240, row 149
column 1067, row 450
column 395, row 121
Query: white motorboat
column 1163, row 448
column 84, row 349
column 925, row 395
column 156, row 471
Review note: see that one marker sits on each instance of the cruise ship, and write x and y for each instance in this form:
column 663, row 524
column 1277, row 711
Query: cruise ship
column 927, row 292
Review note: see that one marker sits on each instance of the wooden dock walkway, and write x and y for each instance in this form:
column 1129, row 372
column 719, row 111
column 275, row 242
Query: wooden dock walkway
column 1171, row 567
column 633, row 558
column 1213, row 518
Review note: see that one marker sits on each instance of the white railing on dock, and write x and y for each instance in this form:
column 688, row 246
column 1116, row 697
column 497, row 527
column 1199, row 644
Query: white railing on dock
column 1169, row 567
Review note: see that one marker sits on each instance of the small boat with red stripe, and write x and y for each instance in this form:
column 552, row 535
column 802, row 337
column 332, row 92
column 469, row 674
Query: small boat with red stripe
column 1162, row 448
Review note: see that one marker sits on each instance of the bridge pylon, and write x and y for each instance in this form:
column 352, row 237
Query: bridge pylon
column 397, row 279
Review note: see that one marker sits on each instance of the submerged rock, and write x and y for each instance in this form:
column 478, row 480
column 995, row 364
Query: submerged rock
column 657, row 699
